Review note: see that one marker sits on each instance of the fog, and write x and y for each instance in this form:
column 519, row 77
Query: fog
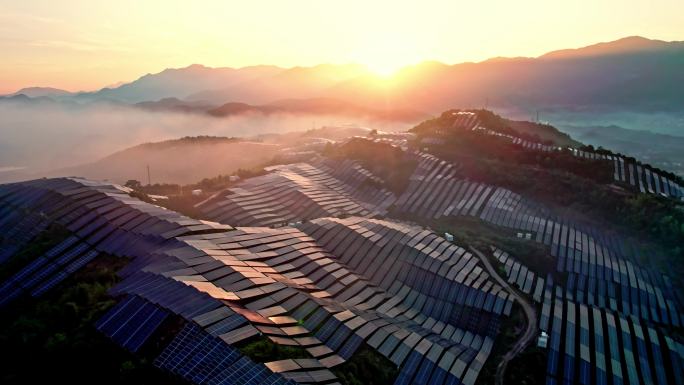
column 35, row 138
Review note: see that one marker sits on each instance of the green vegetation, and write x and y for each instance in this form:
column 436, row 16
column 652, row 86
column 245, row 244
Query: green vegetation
column 476, row 151
column 389, row 163
column 201, row 139
column 180, row 198
column 366, row 367
column 531, row 131
column 216, row 183
column 53, row 339
column 659, row 225
column 262, row 349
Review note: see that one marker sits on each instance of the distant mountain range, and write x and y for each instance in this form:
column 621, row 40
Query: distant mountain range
column 315, row 106
column 37, row 92
column 633, row 73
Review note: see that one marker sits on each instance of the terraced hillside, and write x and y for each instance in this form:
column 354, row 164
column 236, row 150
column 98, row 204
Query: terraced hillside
column 294, row 287
column 301, row 191
column 333, row 271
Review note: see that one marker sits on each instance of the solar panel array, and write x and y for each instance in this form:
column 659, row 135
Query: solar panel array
column 294, row 286
column 602, row 273
column 101, row 218
column 640, row 177
column 131, row 322
column 436, row 190
column 630, row 172
column 590, row 342
column 521, row 276
column 295, row 192
column 331, row 285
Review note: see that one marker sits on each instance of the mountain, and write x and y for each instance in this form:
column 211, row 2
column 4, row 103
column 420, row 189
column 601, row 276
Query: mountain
column 175, row 104
column 36, row 92
column 319, row 106
column 297, row 82
column 633, row 73
column 627, row 45
column 310, row 106
column 178, row 83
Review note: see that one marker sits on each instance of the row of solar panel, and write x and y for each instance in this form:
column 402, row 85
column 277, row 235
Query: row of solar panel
column 589, row 345
column 299, row 191
column 334, row 332
column 202, row 358
column 420, row 260
column 506, row 209
column 355, row 182
column 645, row 178
column 106, row 221
column 625, row 170
column 592, row 253
column 622, row 298
column 597, row 256
column 131, row 322
column 518, row 274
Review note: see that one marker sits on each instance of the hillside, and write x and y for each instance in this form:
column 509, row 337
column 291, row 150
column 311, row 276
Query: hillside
column 468, row 237
column 176, row 161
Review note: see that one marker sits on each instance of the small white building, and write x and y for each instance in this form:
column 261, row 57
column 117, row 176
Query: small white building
column 543, row 340
column 197, row 192
column 233, row 178
column 449, row 237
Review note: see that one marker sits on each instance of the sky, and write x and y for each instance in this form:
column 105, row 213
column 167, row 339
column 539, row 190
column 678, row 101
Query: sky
column 86, row 45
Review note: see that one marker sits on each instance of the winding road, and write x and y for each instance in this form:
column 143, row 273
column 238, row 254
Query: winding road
column 530, row 313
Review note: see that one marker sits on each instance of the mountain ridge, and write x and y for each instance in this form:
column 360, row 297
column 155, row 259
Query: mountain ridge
column 632, row 72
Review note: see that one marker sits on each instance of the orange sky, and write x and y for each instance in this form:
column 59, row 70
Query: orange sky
column 85, row 45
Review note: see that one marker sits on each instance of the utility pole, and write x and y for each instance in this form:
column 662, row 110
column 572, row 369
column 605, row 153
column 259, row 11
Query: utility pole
column 149, row 180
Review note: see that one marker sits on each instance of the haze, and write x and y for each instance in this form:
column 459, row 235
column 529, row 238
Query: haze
column 59, row 46
column 41, row 138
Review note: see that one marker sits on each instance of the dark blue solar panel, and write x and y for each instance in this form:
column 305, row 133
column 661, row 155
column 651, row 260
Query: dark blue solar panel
column 350, row 346
column 338, row 337
column 408, row 369
column 144, row 331
column 328, row 329
column 224, row 326
column 205, row 359
column 423, row 375
column 438, row 376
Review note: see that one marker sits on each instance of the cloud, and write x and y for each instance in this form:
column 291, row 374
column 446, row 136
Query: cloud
column 50, row 136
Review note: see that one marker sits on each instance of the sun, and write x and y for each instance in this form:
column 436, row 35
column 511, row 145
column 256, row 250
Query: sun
column 383, row 67
column 384, row 55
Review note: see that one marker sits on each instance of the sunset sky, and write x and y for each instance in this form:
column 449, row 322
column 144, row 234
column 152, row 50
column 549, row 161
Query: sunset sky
column 85, row 44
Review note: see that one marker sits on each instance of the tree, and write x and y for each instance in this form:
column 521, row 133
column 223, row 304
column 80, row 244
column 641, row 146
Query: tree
column 134, row 184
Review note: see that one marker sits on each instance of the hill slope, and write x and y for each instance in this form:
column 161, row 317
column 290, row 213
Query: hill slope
column 183, row 160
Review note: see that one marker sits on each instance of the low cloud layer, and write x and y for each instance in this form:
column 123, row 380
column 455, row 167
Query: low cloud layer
column 43, row 137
